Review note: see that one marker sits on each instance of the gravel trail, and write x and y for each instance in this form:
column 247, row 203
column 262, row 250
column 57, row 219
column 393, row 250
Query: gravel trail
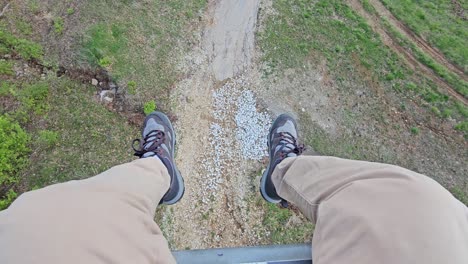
column 221, row 134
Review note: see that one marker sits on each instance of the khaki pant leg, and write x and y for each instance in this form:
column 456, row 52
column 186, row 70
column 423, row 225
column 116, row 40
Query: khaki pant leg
column 374, row 213
column 104, row 219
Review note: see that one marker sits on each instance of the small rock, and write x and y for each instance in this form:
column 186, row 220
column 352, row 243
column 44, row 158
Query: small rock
column 303, row 109
column 94, row 82
column 108, row 99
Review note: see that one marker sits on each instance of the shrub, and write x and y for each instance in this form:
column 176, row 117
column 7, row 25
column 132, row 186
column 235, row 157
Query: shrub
column 13, row 157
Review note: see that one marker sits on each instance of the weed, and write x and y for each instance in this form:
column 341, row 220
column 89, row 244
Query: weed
column 149, row 107
column 47, row 138
column 6, row 67
column 34, row 6
column 58, row 25
column 70, row 11
column 105, row 62
column 132, row 87
column 414, row 130
column 13, row 157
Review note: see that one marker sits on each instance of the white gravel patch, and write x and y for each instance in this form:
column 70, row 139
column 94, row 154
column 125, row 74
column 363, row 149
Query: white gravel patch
column 252, row 127
column 239, row 131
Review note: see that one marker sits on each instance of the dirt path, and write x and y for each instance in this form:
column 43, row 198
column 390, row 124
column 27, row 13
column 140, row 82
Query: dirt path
column 413, row 62
column 215, row 108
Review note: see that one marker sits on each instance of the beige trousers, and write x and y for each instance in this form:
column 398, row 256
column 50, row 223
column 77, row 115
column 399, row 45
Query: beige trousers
column 364, row 213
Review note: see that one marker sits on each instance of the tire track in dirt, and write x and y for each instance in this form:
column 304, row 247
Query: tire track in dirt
column 412, row 61
column 435, row 53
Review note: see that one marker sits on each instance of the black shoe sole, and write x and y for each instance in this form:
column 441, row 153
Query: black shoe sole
column 178, row 177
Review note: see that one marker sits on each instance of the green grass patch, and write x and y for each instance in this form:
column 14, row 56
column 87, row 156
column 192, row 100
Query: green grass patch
column 414, row 130
column 23, row 47
column 456, row 82
column 332, row 30
column 149, row 107
column 279, row 229
column 6, row 67
column 14, row 152
column 33, row 98
column 140, row 44
column 47, row 138
column 82, row 138
column 132, row 86
column 436, row 21
column 58, row 25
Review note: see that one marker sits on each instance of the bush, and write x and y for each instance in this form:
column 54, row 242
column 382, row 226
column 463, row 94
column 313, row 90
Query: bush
column 149, row 107
column 13, row 157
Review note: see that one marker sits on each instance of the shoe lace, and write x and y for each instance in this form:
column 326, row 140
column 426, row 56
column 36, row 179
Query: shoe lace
column 289, row 145
column 150, row 143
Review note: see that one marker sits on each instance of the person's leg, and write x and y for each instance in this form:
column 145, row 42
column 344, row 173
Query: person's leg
column 108, row 218
column 364, row 212
column 374, row 213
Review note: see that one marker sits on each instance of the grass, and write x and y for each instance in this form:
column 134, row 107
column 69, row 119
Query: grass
column 307, row 32
column 52, row 130
column 14, row 151
column 82, row 138
column 6, row 67
column 140, row 43
column 304, row 28
column 454, row 80
column 58, row 25
column 279, row 229
column 435, row 21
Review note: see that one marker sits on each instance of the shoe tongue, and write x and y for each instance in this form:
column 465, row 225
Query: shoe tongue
column 152, row 125
column 288, row 126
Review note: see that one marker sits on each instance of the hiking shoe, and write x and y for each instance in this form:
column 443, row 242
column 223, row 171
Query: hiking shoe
column 159, row 140
column 282, row 143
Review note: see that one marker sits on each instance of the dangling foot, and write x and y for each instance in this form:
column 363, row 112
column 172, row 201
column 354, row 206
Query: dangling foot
column 282, row 143
column 159, row 140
